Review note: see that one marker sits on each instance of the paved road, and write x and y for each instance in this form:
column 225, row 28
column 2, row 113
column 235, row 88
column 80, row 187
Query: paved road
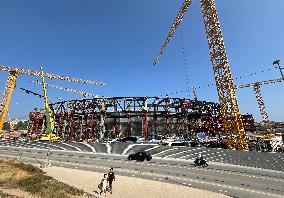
column 272, row 161
column 235, row 181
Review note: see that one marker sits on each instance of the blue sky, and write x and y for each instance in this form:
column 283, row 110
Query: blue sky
column 116, row 41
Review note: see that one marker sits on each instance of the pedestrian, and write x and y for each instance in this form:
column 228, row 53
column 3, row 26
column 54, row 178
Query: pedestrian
column 111, row 178
column 103, row 185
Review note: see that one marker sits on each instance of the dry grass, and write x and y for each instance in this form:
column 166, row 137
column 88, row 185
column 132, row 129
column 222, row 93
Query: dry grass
column 18, row 175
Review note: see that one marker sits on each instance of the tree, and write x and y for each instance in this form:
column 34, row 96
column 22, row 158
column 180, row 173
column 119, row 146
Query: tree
column 21, row 126
column 6, row 126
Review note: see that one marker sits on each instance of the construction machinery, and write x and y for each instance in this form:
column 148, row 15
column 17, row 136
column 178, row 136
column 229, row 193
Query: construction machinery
column 11, row 83
column 48, row 112
column 231, row 116
column 84, row 94
column 267, row 140
column 48, row 135
column 259, row 99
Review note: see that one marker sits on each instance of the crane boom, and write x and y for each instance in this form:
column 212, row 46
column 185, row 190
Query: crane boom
column 85, row 94
column 48, row 75
column 265, row 82
column 173, row 28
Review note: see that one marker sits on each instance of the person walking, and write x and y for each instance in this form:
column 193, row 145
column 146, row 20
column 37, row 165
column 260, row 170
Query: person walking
column 103, row 185
column 111, row 178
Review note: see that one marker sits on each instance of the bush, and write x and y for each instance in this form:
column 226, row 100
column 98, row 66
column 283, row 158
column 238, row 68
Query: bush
column 26, row 167
column 48, row 187
column 34, row 184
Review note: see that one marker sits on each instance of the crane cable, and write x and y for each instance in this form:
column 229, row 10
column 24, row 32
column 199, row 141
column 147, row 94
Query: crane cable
column 185, row 61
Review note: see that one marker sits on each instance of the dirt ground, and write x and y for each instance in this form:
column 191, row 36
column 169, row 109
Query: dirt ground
column 127, row 187
column 16, row 192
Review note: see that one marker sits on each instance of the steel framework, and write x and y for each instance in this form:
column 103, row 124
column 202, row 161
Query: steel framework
column 97, row 118
column 36, row 122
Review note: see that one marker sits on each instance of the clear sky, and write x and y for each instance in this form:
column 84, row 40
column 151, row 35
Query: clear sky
column 116, row 41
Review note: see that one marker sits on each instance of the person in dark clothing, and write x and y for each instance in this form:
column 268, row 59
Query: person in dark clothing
column 198, row 160
column 111, row 178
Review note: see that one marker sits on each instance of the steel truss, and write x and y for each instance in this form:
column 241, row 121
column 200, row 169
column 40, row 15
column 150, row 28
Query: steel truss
column 98, row 118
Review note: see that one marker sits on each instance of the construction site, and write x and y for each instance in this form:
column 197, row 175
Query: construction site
column 161, row 109
column 97, row 118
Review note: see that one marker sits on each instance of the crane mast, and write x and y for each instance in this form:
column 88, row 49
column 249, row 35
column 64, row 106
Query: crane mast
column 48, row 113
column 262, row 109
column 229, row 107
column 6, row 97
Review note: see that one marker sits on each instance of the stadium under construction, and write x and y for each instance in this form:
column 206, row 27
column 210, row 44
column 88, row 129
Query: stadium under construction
column 117, row 117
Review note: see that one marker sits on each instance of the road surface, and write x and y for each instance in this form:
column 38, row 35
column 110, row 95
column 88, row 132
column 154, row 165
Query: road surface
column 232, row 180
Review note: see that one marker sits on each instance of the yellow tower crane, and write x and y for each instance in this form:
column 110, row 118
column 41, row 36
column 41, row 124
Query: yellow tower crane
column 229, row 108
column 11, row 83
column 259, row 99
